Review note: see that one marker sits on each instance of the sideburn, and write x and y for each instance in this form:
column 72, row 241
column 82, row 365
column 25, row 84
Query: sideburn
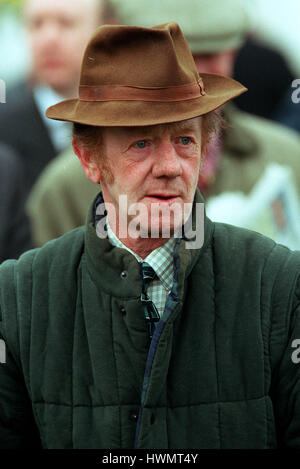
column 107, row 175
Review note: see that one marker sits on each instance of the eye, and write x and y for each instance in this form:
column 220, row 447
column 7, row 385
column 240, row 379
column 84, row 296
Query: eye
column 185, row 140
column 67, row 23
column 35, row 24
column 141, row 144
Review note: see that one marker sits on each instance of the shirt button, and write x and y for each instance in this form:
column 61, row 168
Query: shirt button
column 134, row 417
column 124, row 274
column 123, row 310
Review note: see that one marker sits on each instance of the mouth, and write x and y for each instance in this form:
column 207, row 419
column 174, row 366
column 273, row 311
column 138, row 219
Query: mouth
column 52, row 63
column 162, row 197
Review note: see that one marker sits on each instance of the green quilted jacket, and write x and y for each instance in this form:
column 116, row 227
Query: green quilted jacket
column 220, row 372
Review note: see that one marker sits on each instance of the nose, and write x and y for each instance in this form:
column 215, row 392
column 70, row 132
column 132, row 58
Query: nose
column 167, row 161
column 49, row 35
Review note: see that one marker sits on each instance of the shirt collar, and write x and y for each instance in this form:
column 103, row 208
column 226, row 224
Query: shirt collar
column 160, row 259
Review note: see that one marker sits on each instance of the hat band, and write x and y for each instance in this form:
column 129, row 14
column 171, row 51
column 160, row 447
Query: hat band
column 135, row 93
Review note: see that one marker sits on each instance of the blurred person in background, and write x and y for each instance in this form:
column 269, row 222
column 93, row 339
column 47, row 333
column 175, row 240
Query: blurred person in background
column 58, row 31
column 276, row 27
column 267, row 88
column 289, row 110
column 277, row 24
column 55, row 205
column 14, row 225
column 215, row 32
column 14, row 62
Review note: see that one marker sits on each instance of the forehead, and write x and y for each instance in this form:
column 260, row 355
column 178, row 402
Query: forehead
column 57, row 7
column 190, row 125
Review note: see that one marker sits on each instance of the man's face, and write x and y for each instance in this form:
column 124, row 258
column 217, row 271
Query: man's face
column 156, row 165
column 58, row 32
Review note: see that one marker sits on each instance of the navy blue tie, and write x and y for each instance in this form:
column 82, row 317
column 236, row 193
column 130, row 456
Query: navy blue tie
column 150, row 310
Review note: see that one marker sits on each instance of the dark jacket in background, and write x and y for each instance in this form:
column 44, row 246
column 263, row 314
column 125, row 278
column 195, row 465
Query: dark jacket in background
column 22, row 127
column 267, row 76
column 14, row 225
column 289, row 111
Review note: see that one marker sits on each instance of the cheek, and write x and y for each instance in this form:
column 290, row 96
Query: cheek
column 135, row 172
column 76, row 42
column 191, row 171
column 37, row 44
column 70, row 50
column 192, row 165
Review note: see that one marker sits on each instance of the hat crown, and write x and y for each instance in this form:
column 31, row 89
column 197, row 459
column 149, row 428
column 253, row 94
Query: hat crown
column 140, row 57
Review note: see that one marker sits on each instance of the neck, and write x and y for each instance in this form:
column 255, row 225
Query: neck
column 140, row 246
column 143, row 247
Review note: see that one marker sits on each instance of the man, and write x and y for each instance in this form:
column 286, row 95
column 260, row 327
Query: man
column 215, row 32
column 122, row 341
column 58, row 31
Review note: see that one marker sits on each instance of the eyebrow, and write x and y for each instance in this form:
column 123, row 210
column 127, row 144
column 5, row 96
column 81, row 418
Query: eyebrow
column 185, row 127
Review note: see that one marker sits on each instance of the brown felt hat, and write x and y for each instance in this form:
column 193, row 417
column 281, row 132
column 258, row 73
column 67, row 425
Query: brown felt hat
column 133, row 76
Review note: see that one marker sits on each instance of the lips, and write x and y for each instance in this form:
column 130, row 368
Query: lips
column 52, row 63
column 163, row 196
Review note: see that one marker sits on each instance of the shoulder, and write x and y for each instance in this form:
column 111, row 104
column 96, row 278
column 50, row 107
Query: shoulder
column 62, row 167
column 32, row 286
column 64, row 164
column 59, row 200
column 17, row 98
column 62, row 175
column 259, row 273
column 267, row 132
column 56, row 258
column 243, row 250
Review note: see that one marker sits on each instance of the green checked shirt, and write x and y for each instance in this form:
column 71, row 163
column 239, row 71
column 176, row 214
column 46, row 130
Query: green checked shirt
column 161, row 261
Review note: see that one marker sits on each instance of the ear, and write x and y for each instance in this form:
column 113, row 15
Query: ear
column 90, row 167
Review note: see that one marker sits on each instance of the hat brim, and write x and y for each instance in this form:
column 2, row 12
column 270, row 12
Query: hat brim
column 218, row 91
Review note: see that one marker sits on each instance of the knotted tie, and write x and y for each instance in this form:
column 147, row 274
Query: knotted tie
column 150, row 310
